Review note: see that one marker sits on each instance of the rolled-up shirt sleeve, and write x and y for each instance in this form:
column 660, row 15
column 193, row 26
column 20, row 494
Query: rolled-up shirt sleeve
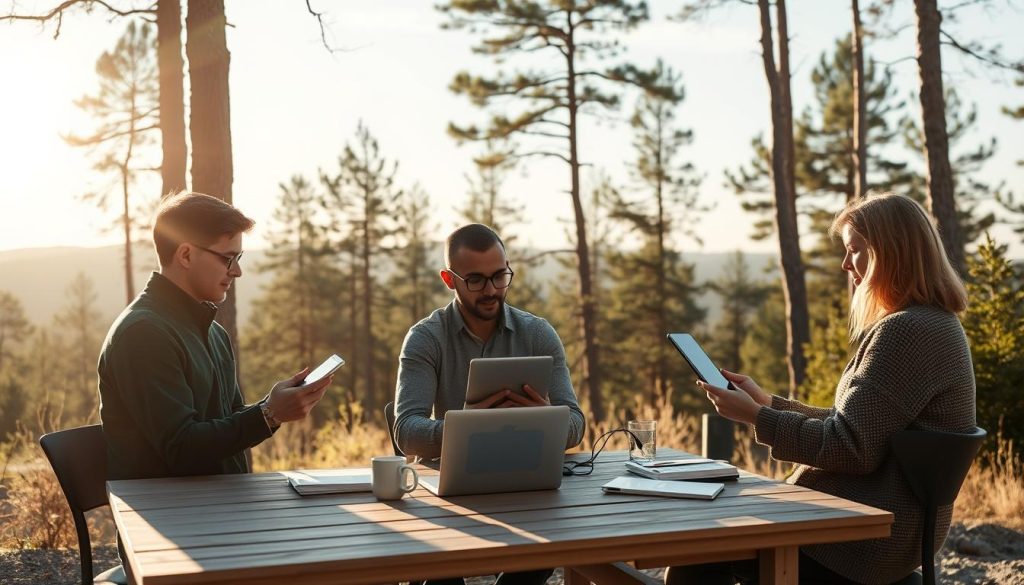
column 561, row 391
column 415, row 432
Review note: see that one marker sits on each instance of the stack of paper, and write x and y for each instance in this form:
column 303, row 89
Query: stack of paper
column 330, row 481
column 691, row 469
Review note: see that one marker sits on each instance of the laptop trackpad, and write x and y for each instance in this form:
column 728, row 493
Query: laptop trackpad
column 525, row 457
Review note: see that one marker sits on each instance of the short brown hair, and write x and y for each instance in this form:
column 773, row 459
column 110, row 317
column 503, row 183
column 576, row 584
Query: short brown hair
column 907, row 264
column 475, row 236
column 194, row 218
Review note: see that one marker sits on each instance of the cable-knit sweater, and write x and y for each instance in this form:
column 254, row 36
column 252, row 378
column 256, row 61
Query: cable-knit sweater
column 912, row 370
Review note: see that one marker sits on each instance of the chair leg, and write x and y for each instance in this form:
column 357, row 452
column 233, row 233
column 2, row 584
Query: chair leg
column 84, row 546
column 928, row 545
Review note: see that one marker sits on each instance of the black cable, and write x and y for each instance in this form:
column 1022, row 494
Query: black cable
column 574, row 467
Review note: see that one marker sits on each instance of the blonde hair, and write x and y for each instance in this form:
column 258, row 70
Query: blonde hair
column 907, row 264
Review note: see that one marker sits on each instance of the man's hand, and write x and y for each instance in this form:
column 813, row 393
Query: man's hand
column 532, row 398
column 289, row 401
column 734, row 405
column 490, row 401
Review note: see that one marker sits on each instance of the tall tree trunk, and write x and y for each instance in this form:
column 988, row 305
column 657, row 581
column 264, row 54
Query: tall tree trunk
column 860, row 108
column 588, row 313
column 126, row 224
column 662, row 321
column 370, row 398
column 793, row 285
column 172, row 96
column 210, row 124
column 936, row 140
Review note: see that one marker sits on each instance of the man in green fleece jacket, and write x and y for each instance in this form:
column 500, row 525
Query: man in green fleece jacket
column 169, row 398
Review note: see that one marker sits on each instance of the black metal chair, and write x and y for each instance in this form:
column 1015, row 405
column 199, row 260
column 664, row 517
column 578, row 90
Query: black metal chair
column 935, row 464
column 389, row 418
column 79, row 460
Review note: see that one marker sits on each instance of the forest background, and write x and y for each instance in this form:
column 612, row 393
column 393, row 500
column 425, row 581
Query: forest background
column 653, row 168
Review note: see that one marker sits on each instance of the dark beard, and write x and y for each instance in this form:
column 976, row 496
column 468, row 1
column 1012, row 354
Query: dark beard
column 476, row 312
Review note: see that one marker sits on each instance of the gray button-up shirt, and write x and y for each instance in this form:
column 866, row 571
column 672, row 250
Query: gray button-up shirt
column 434, row 368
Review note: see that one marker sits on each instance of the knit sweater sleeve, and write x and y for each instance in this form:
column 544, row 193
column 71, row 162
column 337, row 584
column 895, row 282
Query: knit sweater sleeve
column 892, row 382
column 780, row 403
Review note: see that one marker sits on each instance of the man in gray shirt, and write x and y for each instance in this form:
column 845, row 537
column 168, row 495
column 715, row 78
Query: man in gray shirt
column 434, row 364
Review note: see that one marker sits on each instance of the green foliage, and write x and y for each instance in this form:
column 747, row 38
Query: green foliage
column 827, row 354
column 763, row 352
column 486, row 204
column 742, row 296
column 994, row 322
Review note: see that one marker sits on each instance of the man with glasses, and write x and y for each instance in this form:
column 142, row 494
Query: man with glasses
column 169, row 397
column 434, row 363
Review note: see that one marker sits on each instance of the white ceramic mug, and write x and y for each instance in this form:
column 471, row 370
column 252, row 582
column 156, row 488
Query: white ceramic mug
column 392, row 478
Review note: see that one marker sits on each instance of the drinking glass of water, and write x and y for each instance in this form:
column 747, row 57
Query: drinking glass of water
column 643, row 443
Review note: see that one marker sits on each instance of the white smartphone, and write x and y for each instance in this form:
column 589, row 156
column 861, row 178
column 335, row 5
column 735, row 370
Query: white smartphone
column 328, row 367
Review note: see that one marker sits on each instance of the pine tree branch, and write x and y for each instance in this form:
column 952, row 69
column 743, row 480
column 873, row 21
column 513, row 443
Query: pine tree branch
column 323, row 29
column 519, row 155
column 972, row 52
column 58, row 13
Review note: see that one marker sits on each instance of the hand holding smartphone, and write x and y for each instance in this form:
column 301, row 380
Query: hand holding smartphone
column 328, row 367
column 699, row 361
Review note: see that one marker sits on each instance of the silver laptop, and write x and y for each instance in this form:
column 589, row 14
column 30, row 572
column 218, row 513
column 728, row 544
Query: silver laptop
column 501, row 450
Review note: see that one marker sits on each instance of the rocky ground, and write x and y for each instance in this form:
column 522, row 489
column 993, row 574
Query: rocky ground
column 975, row 554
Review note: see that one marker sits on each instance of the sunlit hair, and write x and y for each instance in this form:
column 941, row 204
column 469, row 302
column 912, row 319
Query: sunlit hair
column 907, row 264
column 475, row 236
column 194, row 218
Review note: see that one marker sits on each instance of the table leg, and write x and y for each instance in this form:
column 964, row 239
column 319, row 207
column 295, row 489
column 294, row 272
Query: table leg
column 779, row 566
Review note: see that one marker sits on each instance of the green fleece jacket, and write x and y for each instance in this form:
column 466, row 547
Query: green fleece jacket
column 169, row 399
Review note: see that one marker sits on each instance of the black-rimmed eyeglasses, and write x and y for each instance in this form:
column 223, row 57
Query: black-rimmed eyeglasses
column 477, row 282
column 230, row 260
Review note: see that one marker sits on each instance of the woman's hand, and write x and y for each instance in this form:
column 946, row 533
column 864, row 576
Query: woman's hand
column 735, row 405
column 748, row 385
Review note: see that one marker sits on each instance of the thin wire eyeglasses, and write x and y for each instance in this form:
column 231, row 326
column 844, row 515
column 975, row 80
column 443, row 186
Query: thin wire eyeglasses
column 477, row 282
column 230, row 260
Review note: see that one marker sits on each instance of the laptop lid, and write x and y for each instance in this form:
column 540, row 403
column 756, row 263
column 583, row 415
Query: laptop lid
column 501, row 450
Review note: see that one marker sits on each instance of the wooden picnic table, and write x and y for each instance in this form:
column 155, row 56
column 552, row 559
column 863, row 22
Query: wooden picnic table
column 255, row 529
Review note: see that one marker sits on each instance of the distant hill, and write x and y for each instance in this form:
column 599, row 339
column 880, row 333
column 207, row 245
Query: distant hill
column 38, row 277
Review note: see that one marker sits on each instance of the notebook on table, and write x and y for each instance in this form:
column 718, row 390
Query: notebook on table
column 330, row 481
column 685, row 469
column 698, row 490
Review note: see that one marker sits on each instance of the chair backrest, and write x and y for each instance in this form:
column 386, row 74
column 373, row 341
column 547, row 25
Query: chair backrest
column 935, row 464
column 389, row 417
column 79, row 460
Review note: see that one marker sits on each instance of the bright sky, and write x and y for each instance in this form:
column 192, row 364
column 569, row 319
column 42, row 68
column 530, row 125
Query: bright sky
column 294, row 106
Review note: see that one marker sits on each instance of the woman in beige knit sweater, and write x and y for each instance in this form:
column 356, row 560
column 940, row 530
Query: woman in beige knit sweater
column 912, row 369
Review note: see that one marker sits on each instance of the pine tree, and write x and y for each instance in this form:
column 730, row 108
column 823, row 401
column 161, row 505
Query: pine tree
column 81, row 329
column 485, row 203
column 295, row 319
column 763, row 352
column 742, row 296
column 994, row 323
column 661, row 217
column 550, row 101
column 15, row 329
column 828, row 352
column 364, row 193
column 126, row 109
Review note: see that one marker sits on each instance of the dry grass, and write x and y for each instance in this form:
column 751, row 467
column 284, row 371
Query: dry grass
column 994, row 488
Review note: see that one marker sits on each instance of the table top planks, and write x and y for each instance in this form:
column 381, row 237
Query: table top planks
column 255, row 528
